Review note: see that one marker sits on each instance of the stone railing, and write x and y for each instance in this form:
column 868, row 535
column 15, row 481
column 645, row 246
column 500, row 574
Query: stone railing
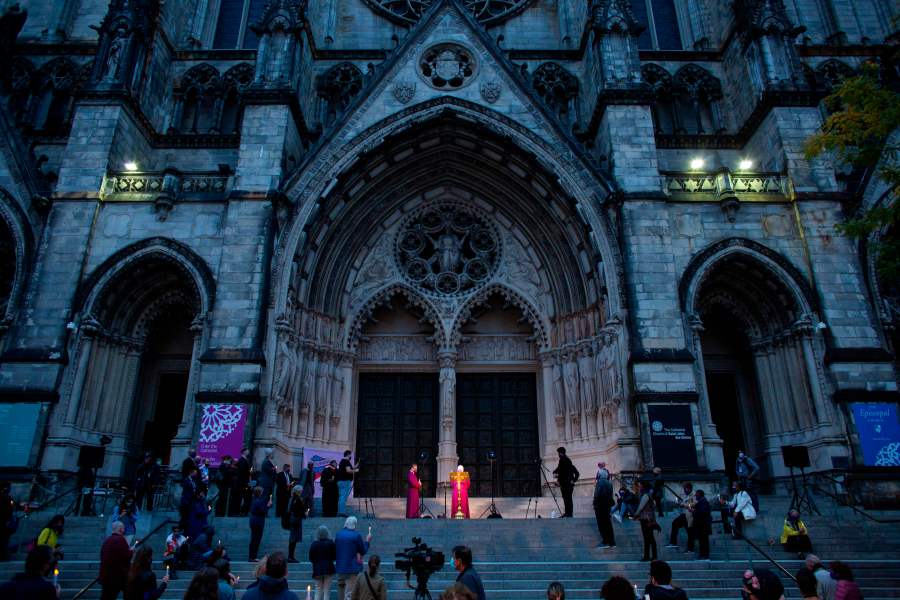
column 148, row 186
column 166, row 188
column 766, row 187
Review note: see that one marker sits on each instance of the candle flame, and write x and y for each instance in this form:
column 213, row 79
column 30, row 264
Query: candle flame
column 56, row 571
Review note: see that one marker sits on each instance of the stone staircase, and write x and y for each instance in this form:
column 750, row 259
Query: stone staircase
column 517, row 558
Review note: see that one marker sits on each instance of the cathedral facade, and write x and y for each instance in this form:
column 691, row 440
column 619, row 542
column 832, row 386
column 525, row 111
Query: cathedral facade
column 437, row 229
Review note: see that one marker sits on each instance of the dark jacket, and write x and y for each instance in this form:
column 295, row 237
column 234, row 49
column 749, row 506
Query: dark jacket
column 664, row 592
column 187, row 465
column 243, row 471
column 198, row 518
column 703, row 516
column 188, row 491
column 283, row 482
column 565, row 472
column 145, row 588
column 115, row 558
column 270, row 589
column 27, row 587
column 258, row 511
column 322, row 554
column 603, row 494
column 470, row 578
column 147, row 475
column 266, row 478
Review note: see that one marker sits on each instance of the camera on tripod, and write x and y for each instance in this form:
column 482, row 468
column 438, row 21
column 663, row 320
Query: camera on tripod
column 421, row 560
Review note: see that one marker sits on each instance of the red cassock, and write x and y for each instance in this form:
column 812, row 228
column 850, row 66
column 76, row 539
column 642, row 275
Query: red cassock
column 460, row 498
column 412, row 495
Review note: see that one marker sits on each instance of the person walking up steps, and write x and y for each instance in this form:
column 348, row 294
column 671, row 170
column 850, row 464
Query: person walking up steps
column 603, row 503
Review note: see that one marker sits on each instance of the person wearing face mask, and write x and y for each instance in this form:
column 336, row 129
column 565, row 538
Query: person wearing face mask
column 795, row 536
column 746, row 470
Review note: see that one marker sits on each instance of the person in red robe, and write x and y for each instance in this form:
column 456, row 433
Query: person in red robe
column 412, row 492
column 460, row 495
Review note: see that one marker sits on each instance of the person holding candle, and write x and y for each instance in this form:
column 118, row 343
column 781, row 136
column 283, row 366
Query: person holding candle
column 33, row 584
column 350, row 547
column 226, row 579
column 322, row 554
column 295, row 514
column 141, row 578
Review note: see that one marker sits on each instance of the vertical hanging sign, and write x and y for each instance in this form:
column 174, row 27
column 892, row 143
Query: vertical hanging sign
column 221, row 431
column 878, row 427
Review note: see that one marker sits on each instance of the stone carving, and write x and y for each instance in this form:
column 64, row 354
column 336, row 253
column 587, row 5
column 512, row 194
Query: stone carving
column 396, row 348
column 406, row 12
column 556, row 87
column 559, row 399
column 375, row 273
column 337, row 87
column 519, row 271
column 447, row 250
column 447, row 66
column 490, row 91
column 497, row 348
column 404, row 91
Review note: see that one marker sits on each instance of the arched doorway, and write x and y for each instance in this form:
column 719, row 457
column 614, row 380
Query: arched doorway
column 138, row 338
column 447, row 251
column 760, row 357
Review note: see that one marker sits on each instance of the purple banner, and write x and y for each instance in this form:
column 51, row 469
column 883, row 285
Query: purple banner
column 221, row 431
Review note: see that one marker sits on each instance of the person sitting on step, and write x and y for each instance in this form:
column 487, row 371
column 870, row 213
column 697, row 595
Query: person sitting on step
column 795, row 536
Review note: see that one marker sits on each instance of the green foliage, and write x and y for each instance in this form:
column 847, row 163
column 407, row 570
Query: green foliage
column 865, row 112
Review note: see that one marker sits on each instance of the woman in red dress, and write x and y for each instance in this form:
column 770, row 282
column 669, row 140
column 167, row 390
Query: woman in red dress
column 460, row 496
column 412, row 492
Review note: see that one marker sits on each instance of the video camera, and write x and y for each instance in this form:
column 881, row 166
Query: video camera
column 421, row 560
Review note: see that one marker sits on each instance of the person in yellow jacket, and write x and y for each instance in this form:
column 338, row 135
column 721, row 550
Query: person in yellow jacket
column 794, row 535
column 49, row 535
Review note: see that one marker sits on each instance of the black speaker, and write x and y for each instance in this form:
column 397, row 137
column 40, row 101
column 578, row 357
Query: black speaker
column 92, row 457
column 795, row 457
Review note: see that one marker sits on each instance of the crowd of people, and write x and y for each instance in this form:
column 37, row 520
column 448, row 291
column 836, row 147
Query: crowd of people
column 126, row 566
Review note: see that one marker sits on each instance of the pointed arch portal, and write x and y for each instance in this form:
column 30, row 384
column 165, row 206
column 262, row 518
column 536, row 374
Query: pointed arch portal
column 447, row 270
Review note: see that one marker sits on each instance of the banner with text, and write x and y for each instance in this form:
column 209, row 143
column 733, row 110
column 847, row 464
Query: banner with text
column 672, row 436
column 878, row 427
column 320, row 459
column 221, row 431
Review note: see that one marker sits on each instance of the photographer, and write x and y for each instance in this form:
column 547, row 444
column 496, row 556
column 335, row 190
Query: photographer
column 349, row 549
column 468, row 576
column 566, row 475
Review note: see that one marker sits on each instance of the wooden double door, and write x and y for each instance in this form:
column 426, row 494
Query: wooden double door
column 398, row 420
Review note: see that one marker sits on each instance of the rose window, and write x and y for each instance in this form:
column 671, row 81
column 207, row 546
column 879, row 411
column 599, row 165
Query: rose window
column 447, row 66
column 489, row 12
column 447, row 250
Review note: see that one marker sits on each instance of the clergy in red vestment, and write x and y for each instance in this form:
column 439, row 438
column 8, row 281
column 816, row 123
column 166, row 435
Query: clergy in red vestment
column 460, row 506
column 412, row 492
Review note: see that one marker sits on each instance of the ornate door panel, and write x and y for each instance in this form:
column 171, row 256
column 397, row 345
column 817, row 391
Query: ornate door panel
column 498, row 412
column 397, row 420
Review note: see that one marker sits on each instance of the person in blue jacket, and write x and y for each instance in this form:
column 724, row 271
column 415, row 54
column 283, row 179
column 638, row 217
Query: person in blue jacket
column 259, row 510
column 349, row 549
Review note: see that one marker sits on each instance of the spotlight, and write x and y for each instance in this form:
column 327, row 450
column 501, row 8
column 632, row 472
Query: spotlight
column 491, row 455
column 697, row 164
column 745, row 164
column 131, row 166
column 423, row 456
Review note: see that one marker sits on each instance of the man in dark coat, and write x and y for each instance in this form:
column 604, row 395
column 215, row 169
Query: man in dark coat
column 189, row 463
column 145, row 481
column 603, row 503
column 267, row 472
column 240, row 493
column 283, row 485
column 702, row 524
column 274, row 584
column 566, row 475
column 328, row 480
column 468, row 576
column 188, row 495
column 115, row 558
column 32, row 584
column 224, row 484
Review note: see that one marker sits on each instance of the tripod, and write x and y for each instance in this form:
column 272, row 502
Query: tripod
column 491, row 511
column 423, row 510
column 801, row 498
column 544, row 471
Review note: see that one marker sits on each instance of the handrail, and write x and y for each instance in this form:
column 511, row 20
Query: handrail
column 843, row 502
column 27, row 509
column 769, row 558
column 137, row 543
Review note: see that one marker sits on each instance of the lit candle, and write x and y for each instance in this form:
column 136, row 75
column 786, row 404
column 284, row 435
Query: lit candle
column 308, row 592
column 167, row 570
column 55, row 576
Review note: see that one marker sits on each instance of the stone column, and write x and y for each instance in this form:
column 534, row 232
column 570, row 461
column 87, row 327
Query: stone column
column 707, row 427
column 804, row 334
column 447, row 457
column 765, row 385
column 89, row 329
column 185, row 435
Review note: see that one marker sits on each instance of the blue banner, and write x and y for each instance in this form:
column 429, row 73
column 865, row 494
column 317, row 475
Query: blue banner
column 878, row 427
